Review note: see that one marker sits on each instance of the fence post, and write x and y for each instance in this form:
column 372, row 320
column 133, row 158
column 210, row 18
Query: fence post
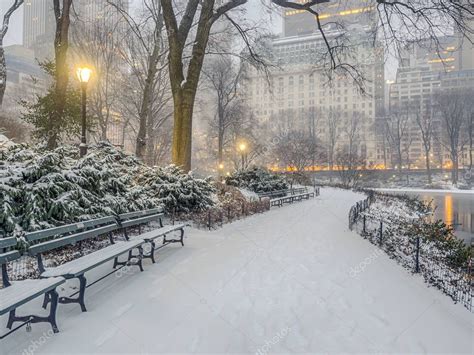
column 243, row 208
column 209, row 219
column 363, row 228
column 380, row 232
column 228, row 213
column 417, row 255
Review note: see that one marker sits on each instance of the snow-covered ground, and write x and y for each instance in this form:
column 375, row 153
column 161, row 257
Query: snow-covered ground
column 294, row 279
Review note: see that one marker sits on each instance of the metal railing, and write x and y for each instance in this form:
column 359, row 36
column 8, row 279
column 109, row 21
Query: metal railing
column 416, row 254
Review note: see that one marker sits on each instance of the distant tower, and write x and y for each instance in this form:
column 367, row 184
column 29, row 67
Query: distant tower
column 38, row 27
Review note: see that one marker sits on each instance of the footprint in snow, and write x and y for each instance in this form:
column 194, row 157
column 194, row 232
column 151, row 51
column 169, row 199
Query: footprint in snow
column 122, row 310
column 105, row 336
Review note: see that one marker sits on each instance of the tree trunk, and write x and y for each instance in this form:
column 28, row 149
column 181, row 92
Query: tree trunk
column 428, row 167
column 471, row 127
column 182, row 130
column 454, row 168
column 3, row 73
column 146, row 106
column 103, row 132
column 150, row 147
column 61, row 43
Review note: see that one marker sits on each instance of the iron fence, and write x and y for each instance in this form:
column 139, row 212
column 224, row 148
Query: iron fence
column 417, row 254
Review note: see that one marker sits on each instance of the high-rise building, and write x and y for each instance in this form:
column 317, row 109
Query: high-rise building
column 423, row 71
column 38, row 27
column 298, row 94
column 345, row 13
column 39, row 22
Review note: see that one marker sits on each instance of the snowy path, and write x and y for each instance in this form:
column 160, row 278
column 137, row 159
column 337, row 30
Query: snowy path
column 277, row 282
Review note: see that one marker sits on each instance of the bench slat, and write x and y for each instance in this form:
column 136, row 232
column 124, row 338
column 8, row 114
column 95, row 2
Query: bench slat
column 7, row 242
column 134, row 214
column 9, row 256
column 71, row 239
column 68, row 228
column 137, row 221
column 87, row 262
column 160, row 232
column 21, row 292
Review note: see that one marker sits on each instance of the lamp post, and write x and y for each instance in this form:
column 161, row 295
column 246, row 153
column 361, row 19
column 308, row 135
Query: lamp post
column 220, row 169
column 242, row 149
column 83, row 74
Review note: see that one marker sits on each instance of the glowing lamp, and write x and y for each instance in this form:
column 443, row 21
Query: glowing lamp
column 84, row 74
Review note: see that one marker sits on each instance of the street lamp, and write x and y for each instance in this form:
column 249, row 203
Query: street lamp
column 242, row 149
column 220, row 168
column 83, row 74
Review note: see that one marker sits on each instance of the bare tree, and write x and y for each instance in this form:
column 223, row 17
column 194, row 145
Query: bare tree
column 147, row 35
column 333, row 118
column 424, row 121
column 452, row 107
column 61, row 72
column 185, row 78
column 351, row 131
column 223, row 76
column 470, row 124
column 397, row 130
column 97, row 41
column 295, row 150
column 3, row 31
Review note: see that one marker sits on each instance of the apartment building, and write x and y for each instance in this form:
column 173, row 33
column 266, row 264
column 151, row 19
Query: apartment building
column 424, row 70
column 298, row 94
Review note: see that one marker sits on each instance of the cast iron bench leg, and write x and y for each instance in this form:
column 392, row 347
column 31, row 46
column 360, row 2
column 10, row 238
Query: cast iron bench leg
column 51, row 318
column 80, row 298
column 152, row 252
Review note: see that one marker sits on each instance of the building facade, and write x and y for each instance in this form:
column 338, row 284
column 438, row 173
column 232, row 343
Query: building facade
column 38, row 27
column 424, row 72
column 299, row 95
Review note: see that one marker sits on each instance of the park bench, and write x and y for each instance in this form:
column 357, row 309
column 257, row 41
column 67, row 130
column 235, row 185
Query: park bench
column 290, row 199
column 283, row 193
column 17, row 293
column 51, row 239
column 133, row 219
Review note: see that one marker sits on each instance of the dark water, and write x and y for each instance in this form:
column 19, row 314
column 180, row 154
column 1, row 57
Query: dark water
column 454, row 209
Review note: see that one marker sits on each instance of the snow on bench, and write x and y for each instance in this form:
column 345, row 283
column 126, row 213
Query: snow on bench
column 151, row 236
column 290, row 199
column 85, row 263
column 16, row 294
column 77, row 268
column 21, row 292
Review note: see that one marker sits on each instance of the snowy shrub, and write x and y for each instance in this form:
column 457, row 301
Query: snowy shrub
column 257, row 180
column 41, row 189
column 177, row 191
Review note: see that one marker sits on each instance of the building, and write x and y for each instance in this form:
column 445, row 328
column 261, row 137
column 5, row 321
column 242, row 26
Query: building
column 298, row 95
column 39, row 22
column 346, row 13
column 38, row 27
column 25, row 78
column 423, row 71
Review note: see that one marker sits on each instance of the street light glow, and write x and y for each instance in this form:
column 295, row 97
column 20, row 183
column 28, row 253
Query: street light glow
column 242, row 147
column 84, row 74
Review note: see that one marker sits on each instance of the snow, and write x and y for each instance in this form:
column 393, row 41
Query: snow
column 5, row 142
column 294, row 279
column 402, row 190
column 248, row 194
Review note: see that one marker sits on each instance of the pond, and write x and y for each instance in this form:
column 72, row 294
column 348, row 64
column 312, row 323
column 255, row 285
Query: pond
column 456, row 209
